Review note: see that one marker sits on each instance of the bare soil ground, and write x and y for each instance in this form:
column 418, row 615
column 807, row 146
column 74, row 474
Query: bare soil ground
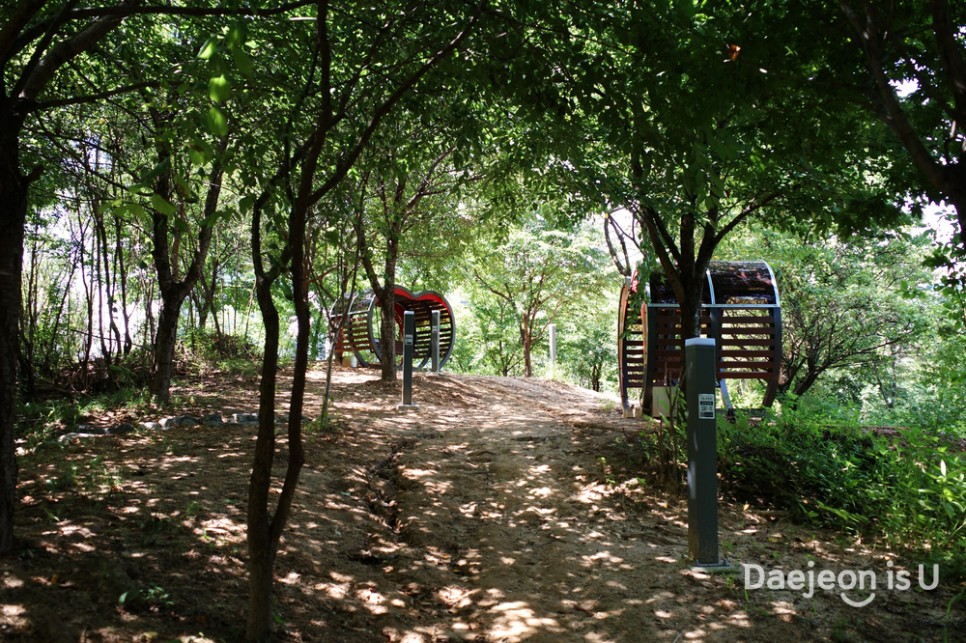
column 499, row 510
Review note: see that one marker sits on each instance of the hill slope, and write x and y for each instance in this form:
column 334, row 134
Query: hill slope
column 499, row 510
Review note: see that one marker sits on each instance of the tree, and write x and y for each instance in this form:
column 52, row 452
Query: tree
column 42, row 47
column 698, row 118
column 721, row 143
column 846, row 303
column 489, row 341
column 362, row 64
column 36, row 42
column 586, row 339
column 538, row 273
column 915, row 58
column 172, row 201
column 407, row 183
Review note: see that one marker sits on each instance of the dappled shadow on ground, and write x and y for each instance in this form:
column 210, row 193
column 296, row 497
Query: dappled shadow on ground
column 498, row 510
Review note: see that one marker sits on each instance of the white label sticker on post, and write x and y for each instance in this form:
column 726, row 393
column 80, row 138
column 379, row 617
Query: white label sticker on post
column 409, row 339
column 706, row 406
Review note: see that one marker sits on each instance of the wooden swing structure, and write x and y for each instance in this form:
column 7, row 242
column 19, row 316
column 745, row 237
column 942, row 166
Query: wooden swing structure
column 740, row 309
column 354, row 324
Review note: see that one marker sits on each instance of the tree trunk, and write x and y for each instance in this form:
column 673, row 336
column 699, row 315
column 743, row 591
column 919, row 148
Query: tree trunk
column 98, row 278
column 109, row 282
column 387, row 331
column 164, row 344
column 526, row 342
column 265, row 529
column 13, row 214
column 29, row 317
column 88, row 297
column 387, row 303
column 174, row 291
column 385, row 293
column 59, row 316
column 261, row 557
column 691, row 315
column 147, row 287
column 121, row 269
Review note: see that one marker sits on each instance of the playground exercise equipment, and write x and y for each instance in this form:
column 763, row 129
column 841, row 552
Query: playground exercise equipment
column 740, row 309
column 359, row 321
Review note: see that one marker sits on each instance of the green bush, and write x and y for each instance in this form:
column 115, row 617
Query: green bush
column 906, row 489
column 227, row 353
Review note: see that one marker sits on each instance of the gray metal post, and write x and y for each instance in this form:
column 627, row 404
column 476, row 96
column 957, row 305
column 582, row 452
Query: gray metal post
column 434, row 347
column 553, row 344
column 409, row 343
column 700, row 369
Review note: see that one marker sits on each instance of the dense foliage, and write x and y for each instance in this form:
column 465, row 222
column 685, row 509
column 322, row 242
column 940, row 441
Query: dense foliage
column 905, row 489
column 194, row 185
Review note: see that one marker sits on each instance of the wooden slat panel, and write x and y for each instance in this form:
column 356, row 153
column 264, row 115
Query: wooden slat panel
column 743, row 353
column 744, row 376
column 747, row 320
column 747, row 341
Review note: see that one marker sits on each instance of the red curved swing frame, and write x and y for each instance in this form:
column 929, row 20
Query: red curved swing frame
column 355, row 332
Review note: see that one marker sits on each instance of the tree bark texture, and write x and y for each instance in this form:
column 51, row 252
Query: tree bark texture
column 174, row 291
column 264, row 528
column 261, row 555
column 164, row 344
column 13, row 212
column 387, row 330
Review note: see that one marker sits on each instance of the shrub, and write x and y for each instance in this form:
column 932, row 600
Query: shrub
column 907, row 489
column 206, row 350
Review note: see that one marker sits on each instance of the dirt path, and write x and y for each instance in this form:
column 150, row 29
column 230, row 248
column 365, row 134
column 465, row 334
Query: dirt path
column 504, row 506
column 499, row 510
column 512, row 514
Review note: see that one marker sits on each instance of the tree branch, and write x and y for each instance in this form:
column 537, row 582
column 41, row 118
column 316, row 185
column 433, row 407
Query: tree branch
column 92, row 98
column 383, row 110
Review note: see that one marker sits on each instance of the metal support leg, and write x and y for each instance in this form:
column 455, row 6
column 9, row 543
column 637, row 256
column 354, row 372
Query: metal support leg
column 434, row 348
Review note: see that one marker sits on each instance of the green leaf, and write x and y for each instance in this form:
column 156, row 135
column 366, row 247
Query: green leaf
column 197, row 155
column 182, row 184
column 219, row 89
column 217, row 122
column 213, row 218
column 162, row 205
column 243, row 61
column 236, row 35
column 208, row 49
column 246, row 202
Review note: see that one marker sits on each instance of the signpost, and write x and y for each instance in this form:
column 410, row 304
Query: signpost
column 409, row 335
column 700, row 367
